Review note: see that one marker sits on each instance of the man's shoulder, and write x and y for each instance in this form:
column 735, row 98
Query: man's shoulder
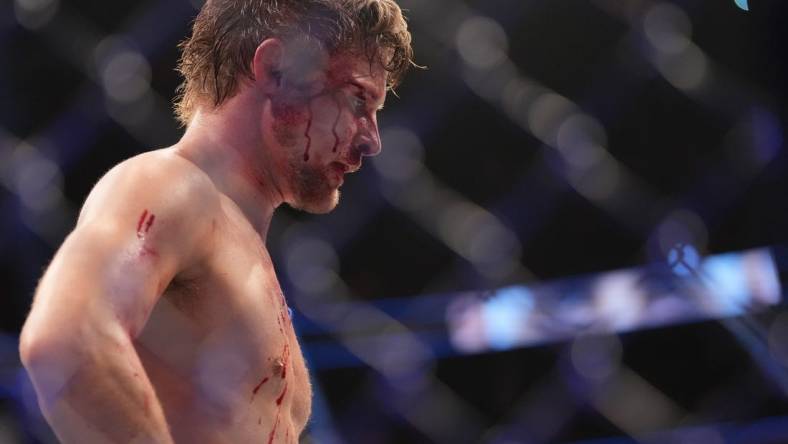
column 163, row 166
column 161, row 176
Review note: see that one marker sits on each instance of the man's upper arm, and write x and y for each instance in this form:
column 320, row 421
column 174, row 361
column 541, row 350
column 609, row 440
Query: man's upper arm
column 143, row 223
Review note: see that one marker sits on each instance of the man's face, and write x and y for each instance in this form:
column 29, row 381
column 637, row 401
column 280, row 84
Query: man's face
column 324, row 130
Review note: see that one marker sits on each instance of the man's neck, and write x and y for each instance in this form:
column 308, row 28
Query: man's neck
column 227, row 146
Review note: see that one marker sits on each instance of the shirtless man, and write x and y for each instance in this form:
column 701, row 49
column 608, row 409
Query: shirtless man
column 160, row 319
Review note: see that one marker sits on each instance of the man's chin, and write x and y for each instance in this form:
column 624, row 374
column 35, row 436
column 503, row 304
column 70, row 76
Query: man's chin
column 317, row 204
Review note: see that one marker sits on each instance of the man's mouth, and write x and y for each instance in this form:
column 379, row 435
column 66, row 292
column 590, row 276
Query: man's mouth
column 338, row 171
column 345, row 168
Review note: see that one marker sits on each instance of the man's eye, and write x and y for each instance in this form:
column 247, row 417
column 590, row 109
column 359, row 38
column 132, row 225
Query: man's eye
column 358, row 104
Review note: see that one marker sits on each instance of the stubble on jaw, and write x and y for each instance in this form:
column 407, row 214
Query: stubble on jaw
column 309, row 183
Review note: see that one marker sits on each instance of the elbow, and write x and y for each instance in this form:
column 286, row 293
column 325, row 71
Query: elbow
column 51, row 361
column 38, row 342
column 31, row 347
column 38, row 352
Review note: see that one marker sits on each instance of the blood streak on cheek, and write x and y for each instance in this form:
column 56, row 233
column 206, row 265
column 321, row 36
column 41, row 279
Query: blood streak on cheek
column 306, row 133
column 336, row 123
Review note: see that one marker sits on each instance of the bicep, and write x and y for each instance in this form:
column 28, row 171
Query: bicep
column 101, row 275
column 130, row 242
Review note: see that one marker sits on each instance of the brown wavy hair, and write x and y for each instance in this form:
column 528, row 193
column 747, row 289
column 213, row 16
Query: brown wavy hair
column 226, row 33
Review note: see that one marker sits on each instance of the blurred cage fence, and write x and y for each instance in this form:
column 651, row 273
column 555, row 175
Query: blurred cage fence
column 575, row 232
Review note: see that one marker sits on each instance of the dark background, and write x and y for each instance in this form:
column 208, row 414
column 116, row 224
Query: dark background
column 495, row 200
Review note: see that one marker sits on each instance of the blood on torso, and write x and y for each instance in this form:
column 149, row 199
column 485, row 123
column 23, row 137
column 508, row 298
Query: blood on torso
column 220, row 349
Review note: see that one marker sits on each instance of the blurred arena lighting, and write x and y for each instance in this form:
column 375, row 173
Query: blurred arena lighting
column 778, row 339
column 618, row 301
column 404, row 161
column 125, row 73
column 376, row 339
column 634, row 405
column 596, row 357
column 504, row 314
column 722, row 286
column 683, row 259
column 312, row 264
column 754, row 141
column 470, row 230
column 767, row 430
column 667, row 28
column 591, row 170
column 716, row 287
column 686, row 70
column 37, row 181
column 373, row 338
column 401, row 342
column 119, row 69
column 581, row 140
column 669, row 31
column 681, row 226
column 482, row 42
column 35, row 14
column 730, row 292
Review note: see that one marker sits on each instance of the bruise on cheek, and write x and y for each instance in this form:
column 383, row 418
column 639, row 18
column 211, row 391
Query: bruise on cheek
column 289, row 115
column 290, row 111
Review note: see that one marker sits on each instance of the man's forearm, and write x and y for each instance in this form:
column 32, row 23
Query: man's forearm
column 99, row 393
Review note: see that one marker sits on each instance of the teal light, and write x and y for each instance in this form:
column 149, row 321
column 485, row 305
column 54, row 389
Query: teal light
column 742, row 4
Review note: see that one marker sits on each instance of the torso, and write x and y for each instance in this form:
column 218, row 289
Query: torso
column 220, row 349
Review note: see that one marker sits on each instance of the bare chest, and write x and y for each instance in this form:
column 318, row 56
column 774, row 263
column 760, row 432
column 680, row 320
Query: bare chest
column 220, row 347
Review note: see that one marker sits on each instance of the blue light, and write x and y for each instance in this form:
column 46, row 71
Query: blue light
column 727, row 283
column 683, row 259
column 506, row 316
column 742, row 4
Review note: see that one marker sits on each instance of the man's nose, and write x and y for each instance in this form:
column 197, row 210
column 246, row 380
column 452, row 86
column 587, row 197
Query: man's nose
column 368, row 137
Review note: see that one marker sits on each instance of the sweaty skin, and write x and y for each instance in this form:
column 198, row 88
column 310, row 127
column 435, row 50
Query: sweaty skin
column 161, row 318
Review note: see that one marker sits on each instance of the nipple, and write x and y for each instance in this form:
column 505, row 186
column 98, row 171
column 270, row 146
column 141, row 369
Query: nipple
column 278, row 366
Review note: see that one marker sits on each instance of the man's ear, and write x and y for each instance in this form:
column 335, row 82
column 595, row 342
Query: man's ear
column 296, row 67
column 267, row 65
